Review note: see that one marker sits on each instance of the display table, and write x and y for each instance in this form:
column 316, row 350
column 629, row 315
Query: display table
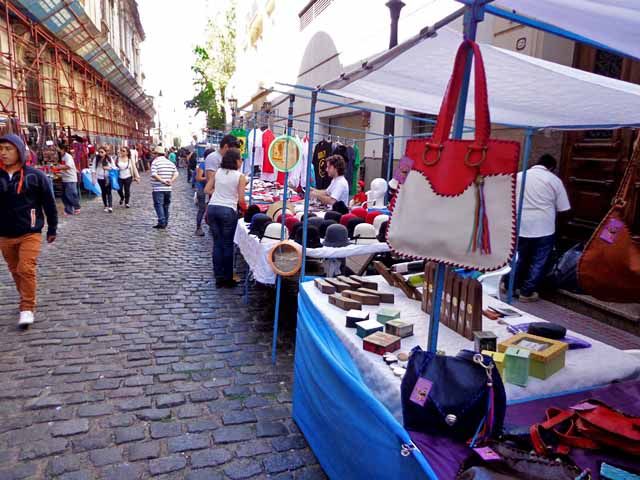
column 347, row 401
column 255, row 252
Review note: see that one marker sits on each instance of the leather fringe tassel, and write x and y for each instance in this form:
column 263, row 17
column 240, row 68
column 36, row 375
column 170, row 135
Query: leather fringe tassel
column 480, row 239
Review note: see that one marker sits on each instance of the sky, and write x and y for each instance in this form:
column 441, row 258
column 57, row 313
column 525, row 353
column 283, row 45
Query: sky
column 167, row 55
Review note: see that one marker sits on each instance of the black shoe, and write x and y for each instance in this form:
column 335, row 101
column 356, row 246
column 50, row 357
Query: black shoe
column 158, row 226
column 230, row 283
column 220, row 283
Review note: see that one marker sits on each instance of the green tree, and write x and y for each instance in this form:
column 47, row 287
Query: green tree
column 213, row 67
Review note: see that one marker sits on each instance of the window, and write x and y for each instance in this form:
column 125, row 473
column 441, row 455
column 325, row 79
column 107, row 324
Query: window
column 311, row 11
column 421, row 128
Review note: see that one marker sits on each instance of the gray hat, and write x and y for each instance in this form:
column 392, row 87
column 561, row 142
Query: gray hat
column 313, row 237
column 332, row 215
column 326, row 224
column 315, row 221
column 336, row 236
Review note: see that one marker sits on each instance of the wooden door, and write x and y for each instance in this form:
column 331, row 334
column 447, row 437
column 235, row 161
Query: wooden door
column 594, row 161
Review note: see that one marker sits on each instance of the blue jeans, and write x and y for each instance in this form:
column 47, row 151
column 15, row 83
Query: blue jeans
column 70, row 198
column 533, row 256
column 161, row 202
column 223, row 222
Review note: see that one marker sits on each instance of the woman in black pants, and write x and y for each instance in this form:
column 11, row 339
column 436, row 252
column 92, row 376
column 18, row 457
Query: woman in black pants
column 100, row 169
column 128, row 172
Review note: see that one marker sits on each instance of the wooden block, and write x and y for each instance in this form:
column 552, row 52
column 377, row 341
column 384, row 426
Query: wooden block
column 384, row 271
column 473, row 317
column 409, row 290
column 445, row 315
column 385, row 297
column 366, row 328
column 352, row 283
column 364, row 283
column 462, row 306
column 384, row 314
column 339, row 286
column 455, row 302
column 344, row 303
column 427, row 294
column 355, row 316
column 381, row 343
column 399, row 328
column 363, row 298
column 324, row 286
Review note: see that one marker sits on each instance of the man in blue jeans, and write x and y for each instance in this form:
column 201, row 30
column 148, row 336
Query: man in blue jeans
column 544, row 197
column 163, row 174
column 69, row 177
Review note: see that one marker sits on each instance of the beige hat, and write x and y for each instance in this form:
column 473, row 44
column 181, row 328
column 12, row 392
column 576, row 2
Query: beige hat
column 365, row 234
column 276, row 209
column 159, row 149
column 272, row 233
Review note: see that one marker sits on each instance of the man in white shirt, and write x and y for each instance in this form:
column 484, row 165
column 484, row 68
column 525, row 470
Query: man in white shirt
column 214, row 159
column 69, row 177
column 544, row 197
column 338, row 189
column 163, row 174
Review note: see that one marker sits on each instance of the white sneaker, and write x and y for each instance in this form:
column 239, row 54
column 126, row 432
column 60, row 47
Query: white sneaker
column 26, row 319
column 106, row 209
column 110, row 210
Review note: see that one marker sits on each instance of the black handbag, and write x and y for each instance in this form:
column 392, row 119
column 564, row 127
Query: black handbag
column 461, row 397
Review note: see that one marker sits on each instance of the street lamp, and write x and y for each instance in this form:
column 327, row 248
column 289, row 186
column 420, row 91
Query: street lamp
column 394, row 7
column 233, row 105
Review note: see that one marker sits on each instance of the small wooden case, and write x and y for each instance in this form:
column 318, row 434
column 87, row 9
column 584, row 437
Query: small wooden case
column 344, row 303
column 385, row 297
column 324, row 286
column 352, row 283
column 367, row 327
column 355, row 316
column 339, row 286
column 485, row 341
column 547, row 356
column 364, row 298
column 399, row 328
column 384, row 314
column 364, row 283
column 516, row 365
column 381, row 343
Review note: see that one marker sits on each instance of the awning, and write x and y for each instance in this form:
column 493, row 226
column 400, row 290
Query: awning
column 523, row 91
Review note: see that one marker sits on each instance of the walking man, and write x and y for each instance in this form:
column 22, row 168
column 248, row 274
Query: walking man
column 69, row 177
column 163, row 174
column 544, row 196
column 26, row 196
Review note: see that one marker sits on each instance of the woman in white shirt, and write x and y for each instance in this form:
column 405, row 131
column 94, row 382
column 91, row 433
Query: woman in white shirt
column 128, row 173
column 100, row 168
column 226, row 188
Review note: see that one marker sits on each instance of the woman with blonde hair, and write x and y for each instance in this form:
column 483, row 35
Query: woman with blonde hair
column 128, row 172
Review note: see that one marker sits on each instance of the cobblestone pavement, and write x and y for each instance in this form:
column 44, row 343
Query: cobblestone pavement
column 137, row 366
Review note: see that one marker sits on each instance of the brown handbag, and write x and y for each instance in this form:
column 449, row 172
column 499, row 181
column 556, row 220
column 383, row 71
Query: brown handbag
column 609, row 268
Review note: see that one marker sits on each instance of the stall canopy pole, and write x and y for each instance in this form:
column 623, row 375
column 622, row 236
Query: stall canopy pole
column 312, row 129
column 292, row 99
column 253, row 162
column 472, row 16
column 389, row 166
column 525, row 166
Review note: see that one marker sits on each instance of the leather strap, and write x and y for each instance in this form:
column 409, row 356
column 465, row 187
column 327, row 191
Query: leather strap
column 569, row 437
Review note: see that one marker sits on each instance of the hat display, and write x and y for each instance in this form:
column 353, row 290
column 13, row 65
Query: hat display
column 290, row 222
column 258, row 224
column 336, row 236
column 251, row 211
column 340, row 207
column 325, row 225
column 360, row 212
column 346, row 218
column 313, row 237
column 331, row 215
column 379, row 220
column 273, row 231
column 351, row 225
column 364, row 234
column 275, row 209
column 372, row 215
column 382, row 234
column 315, row 221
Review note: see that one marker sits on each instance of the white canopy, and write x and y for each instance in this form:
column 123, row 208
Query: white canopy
column 614, row 23
column 523, row 91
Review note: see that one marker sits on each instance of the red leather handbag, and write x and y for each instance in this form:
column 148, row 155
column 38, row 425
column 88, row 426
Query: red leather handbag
column 457, row 204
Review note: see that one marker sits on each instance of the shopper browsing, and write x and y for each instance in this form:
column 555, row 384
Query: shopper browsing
column 226, row 187
column 128, row 172
column 338, row 189
column 213, row 160
column 26, row 197
column 163, row 174
column 100, row 168
column 69, row 177
column 201, row 196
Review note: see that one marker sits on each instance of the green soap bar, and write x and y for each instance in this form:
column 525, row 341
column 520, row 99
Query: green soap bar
column 516, row 366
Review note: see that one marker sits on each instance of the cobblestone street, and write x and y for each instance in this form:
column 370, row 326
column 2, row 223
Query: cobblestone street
column 137, row 366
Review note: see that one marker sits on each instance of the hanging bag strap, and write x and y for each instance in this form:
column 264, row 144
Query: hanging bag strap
column 563, row 425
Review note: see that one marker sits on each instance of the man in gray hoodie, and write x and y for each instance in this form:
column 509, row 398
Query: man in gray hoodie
column 26, row 196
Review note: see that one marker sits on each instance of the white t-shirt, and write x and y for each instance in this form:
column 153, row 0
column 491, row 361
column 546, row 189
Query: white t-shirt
column 544, row 195
column 339, row 189
column 225, row 192
column 124, row 166
column 213, row 161
column 70, row 175
column 257, row 162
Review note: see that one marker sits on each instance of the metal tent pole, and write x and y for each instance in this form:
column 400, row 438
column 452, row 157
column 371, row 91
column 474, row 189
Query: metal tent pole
column 525, row 165
column 292, row 99
column 389, row 165
column 253, row 161
column 312, row 129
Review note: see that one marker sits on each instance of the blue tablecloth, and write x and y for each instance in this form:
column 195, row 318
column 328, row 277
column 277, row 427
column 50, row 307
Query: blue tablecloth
column 351, row 433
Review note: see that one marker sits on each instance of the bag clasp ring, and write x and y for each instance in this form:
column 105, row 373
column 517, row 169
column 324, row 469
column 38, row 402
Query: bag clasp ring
column 482, row 158
column 427, row 146
column 488, row 369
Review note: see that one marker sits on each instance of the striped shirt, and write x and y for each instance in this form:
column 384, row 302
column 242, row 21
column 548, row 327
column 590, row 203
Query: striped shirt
column 165, row 170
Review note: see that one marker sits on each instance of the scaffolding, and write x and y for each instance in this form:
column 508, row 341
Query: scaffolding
column 46, row 84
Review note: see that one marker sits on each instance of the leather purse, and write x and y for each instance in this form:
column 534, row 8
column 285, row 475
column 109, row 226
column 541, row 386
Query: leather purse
column 462, row 397
column 609, row 268
column 457, row 204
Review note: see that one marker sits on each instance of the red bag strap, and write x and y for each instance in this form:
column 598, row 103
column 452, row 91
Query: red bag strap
column 568, row 437
column 452, row 95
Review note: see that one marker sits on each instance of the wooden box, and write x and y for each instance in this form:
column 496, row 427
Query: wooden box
column 366, row 328
column 385, row 297
column 344, row 303
column 485, row 341
column 498, row 359
column 364, row 283
column 352, row 283
column 547, row 356
column 381, row 343
column 384, row 314
column 355, row 316
column 516, row 366
column 324, row 286
column 364, row 298
column 340, row 286
column 399, row 328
